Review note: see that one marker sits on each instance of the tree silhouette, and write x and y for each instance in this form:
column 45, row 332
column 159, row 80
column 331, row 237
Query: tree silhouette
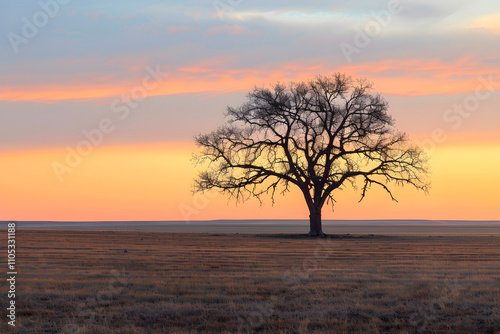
column 318, row 136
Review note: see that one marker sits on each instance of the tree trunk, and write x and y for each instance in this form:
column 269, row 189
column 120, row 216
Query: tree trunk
column 315, row 224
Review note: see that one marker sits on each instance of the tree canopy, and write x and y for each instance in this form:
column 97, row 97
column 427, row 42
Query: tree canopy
column 318, row 136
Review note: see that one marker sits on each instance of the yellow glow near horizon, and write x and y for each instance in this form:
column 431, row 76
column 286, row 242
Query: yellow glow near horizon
column 153, row 182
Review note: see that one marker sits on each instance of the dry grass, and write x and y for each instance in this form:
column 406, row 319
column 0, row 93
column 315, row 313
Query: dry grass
column 145, row 282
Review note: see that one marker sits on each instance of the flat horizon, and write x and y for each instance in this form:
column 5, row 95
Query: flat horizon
column 263, row 220
column 269, row 226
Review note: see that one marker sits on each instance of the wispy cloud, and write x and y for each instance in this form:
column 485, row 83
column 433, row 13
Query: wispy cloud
column 490, row 23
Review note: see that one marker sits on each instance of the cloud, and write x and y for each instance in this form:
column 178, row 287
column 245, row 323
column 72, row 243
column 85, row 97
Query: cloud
column 490, row 23
column 75, row 55
column 412, row 76
column 420, row 76
column 288, row 16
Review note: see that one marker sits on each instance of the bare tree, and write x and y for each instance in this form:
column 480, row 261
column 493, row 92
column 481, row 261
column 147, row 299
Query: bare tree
column 318, row 136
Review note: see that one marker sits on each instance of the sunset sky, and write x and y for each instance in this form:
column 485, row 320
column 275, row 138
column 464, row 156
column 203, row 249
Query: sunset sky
column 138, row 79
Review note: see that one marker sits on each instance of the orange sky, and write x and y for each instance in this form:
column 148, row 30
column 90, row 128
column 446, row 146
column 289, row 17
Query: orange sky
column 150, row 182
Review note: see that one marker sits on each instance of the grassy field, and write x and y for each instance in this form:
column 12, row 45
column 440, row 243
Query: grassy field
column 163, row 282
